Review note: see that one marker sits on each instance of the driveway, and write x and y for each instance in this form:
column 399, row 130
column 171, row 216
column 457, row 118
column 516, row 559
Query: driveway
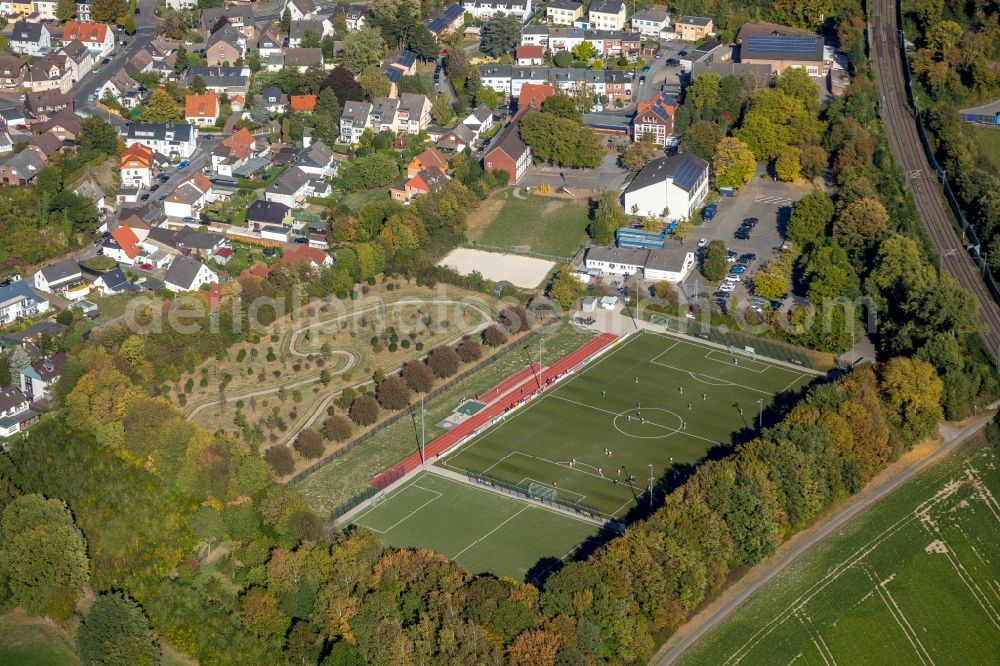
column 607, row 176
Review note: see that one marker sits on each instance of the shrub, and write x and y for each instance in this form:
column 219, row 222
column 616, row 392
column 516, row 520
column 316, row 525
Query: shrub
column 469, row 349
column 419, row 346
column 364, row 410
column 494, row 336
column 405, row 344
column 337, row 429
column 393, row 393
column 418, row 376
column 309, row 444
column 280, row 459
column 515, row 319
column 443, row 362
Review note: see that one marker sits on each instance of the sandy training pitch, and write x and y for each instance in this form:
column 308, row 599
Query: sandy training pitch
column 520, row 271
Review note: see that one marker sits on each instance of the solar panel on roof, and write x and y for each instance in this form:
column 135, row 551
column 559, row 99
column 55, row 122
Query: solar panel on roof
column 687, row 174
column 785, row 44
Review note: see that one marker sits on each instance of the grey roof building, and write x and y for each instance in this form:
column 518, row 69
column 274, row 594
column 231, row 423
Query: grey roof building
column 267, row 212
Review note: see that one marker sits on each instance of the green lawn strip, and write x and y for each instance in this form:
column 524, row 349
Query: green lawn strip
column 640, row 401
column 355, row 200
column 482, row 530
column 988, row 140
column 28, row 641
column 546, row 225
column 907, row 580
column 339, row 481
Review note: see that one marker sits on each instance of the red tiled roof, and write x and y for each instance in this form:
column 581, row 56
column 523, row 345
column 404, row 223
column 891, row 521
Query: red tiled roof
column 202, row 106
column 310, row 255
column 137, row 156
column 303, row 102
column 533, row 94
column 94, row 33
column 127, row 241
column 529, row 51
column 429, row 158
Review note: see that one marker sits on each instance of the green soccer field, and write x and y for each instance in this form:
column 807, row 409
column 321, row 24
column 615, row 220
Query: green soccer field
column 653, row 398
column 482, row 530
column 913, row 581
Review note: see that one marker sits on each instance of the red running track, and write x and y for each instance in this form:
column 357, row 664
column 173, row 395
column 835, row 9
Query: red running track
column 517, row 393
column 513, row 381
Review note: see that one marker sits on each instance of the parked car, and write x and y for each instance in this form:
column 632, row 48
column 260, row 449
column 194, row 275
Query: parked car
column 645, row 68
column 682, row 53
column 742, row 234
column 302, row 240
column 673, row 62
column 659, row 56
column 146, row 267
column 163, row 178
column 702, row 242
column 730, row 256
column 751, row 221
column 190, row 219
column 737, row 270
column 155, row 187
column 208, row 137
column 162, row 198
column 745, row 259
column 183, row 165
column 145, row 196
column 270, row 252
column 642, row 79
column 709, row 211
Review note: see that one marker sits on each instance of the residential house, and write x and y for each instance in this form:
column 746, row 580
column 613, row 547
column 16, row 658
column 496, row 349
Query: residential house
column 268, row 213
column 239, row 16
column 317, row 160
column 12, row 70
column 354, row 121
column 90, row 189
column 445, row 20
column 137, row 166
column 113, row 282
column 22, row 168
column 299, row 29
column 651, row 21
column 529, row 54
column 484, row 10
column 233, row 152
column 291, row 188
column 30, row 39
column 202, row 110
column 413, row 113
column 62, row 125
column 533, row 95
column 270, row 41
column 457, row 139
column 6, row 143
column 405, row 61
column 181, row 5
column 45, row 10
column 508, row 153
column 312, row 256
column 606, row 15
column 44, row 105
column 52, row 71
column 302, row 59
column 37, row 379
column 654, row 119
column 13, row 117
column 197, row 243
column 693, row 28
column 229, row 80
column 564, row 12
column 48, row 144
column 225, row 46
column 272, row 99
column 81, row 59
column 782, row 48
column 670, row 187
column 709, row 50
column 303, row 103
column 18, row 9
column 15, row 412
column 18, row 301
column 171, row 139
column 188, row 274
column 671, row 264
column 480, row 120
column 429, row 180
column 425, row 160
column 189, row 197
column 83, row 10
column 299, row 9
column 140, row 63
column 279, row 233
column 58, row 276
column 97, row 37
column 354, row 15
column 122, row 246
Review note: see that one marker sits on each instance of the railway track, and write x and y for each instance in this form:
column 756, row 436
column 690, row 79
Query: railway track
column 904, row 140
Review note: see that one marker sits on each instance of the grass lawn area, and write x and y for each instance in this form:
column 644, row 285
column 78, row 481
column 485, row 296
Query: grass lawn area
column 654, row 400
column 913, row 580
column 355, row 200
column 332, row 485
column 547, row 225
column 988, row 140
column 481, row 530
column 33, row 641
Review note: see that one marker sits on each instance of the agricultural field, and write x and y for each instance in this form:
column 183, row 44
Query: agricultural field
column 481, row 530
column 336, row 483
column 652, row 402
column 913, row 581
column 546, row 225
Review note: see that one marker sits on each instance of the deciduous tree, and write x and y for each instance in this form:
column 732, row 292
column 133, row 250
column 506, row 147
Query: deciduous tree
column 494, row 336
column 469, row 349
column 393, row 393
column 309, row 444
column 419, row 376
column 364, row 410
column 374, row 82
column 280, row 459
column 362, row 48
column 443, row 361
column 734, row 163
column 714, row 262
column 161, row 108
column 860, row 222
column 261, row 615
column 115, row 632
column 811, row 216
column 337, row 429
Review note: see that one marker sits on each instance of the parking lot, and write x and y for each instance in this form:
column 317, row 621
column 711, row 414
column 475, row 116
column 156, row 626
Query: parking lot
column 768, row 201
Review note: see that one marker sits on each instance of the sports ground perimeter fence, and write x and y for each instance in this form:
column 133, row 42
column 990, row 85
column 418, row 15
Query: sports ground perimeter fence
column 517, row 490
column 384, row 483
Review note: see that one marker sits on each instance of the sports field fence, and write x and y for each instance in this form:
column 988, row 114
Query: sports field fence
column 486, row 247
column 549, row 497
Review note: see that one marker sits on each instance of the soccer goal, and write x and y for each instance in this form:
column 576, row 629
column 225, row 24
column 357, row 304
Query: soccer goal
column 749, row 352
column 542, row 492
column 378, row 499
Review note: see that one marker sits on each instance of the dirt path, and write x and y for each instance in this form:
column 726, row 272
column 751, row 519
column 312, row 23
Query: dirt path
column 951, row 435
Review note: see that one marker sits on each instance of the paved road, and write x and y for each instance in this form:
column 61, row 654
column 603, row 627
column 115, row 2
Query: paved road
column 952, row 438
column 908, row 151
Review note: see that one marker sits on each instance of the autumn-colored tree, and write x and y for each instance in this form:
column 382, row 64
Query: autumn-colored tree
column 494, row 336
column 859, row 222
column 535, row 647
column 607, row 217
column 734, row 163
column 393, row 393
column 788, row 167
column 638, row 154
column 261, row 614
column 515, row 319
column 811, row 215
column 364, row 410
column 714, row 262
column 443, row 361
column 161, row 108
column 418, row 376
column 469, row 349
column 280, row 459
column 337, row 429
column 912, row 391
column 309, row 444
column 374, row 82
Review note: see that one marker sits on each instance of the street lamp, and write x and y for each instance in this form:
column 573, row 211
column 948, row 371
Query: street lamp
column 651, row 486
column 760, row 417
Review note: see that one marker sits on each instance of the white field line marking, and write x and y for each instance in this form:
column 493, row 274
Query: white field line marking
column 648, row 422
column 409, row 515
column 721, row 382
column 984, row 493
column 557, row 489
column 486, row 471
column 832, row 575
column 897, row 615
column 817, row 635
column 792, row 382
column 455, row 556
column 675, row 343
column 972, row 547
column 749, row 368
column 812, row 635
